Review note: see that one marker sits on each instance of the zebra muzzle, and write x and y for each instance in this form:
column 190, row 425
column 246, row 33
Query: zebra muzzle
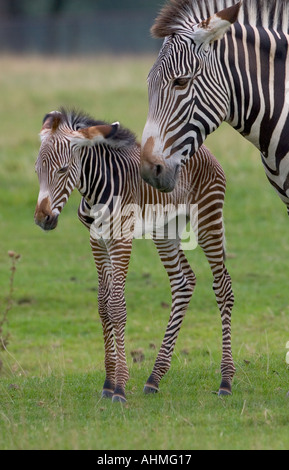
column 161, row 177
column 44, row 217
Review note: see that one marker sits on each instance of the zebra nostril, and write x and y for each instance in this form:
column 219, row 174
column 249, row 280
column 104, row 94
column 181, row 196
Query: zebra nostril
column 159, row 170
column 50, row 222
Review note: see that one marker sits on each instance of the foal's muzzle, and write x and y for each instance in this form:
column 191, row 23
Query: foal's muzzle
column 44, row 216
column 47, row 223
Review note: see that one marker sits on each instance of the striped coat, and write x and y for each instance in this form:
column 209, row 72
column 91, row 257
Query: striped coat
column 221, row 60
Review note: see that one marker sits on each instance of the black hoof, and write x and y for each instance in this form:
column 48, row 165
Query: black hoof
column 118, row 399
column 107, row 394
column 149, row 389
column 224, row 393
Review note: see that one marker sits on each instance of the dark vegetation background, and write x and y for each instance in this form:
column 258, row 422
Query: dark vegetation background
column 57, row 27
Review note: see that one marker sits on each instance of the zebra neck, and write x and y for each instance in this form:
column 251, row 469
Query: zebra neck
column 257, row 75
column 108, row 172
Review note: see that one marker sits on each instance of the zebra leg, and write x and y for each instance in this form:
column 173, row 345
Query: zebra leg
column 214, row 251
column 182, row 282
column 225, row 298
column 103, row 265
column 119, row 251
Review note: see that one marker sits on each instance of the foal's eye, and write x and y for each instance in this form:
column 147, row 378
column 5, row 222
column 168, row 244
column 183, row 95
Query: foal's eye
column 181, row 81
column 62, row 170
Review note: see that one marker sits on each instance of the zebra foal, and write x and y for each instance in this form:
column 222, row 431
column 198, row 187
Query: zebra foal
column 102, row 162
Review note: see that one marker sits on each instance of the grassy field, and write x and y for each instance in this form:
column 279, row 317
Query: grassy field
column 52, row 372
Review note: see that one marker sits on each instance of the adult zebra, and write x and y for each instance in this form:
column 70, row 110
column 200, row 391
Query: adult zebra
column 220, row 61
column 102, row 161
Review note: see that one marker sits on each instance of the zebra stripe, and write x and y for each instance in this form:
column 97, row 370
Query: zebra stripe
column 102, row 167
column 222, row 60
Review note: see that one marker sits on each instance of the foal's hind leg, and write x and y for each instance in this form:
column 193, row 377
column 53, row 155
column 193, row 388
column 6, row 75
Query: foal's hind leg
column 213, row 248
column 182, row 281
column 225, row 299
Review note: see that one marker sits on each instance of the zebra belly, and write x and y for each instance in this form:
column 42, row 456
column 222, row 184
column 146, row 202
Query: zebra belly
column 161, row 222
column 135, row 222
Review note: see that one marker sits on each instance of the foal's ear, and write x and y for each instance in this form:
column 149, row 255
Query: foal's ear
column 51, row 121
column 216, row 26
column 94, row 135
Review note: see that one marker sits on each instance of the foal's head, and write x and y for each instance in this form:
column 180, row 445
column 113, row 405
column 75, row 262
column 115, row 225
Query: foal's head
column 64, row 137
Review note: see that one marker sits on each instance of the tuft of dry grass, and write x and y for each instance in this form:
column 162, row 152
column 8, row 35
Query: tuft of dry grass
column 6, row 308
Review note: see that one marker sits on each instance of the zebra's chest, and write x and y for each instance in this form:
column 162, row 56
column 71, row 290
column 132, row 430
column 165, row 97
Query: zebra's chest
column 277, row 172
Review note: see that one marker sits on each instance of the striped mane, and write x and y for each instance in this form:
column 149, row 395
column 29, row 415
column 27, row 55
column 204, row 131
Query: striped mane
column 178, row 14
column 77, row 120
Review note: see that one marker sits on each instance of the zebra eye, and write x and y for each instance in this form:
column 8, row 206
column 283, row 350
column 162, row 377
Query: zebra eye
column 63, row 170
column 181, row 81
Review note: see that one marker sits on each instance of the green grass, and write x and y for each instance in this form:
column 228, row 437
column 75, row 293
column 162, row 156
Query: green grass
column 53, row 371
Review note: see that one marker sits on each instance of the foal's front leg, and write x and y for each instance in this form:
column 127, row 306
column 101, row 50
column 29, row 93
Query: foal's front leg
column 103, row 265
column 119, row 252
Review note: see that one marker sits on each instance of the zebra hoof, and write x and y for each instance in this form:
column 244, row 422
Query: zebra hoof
column 224, row 393
column 150, row 389
column 118, row 399
column 107, row 394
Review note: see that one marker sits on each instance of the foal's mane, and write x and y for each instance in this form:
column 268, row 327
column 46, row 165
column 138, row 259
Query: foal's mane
column 261, row 13
column 77, row 120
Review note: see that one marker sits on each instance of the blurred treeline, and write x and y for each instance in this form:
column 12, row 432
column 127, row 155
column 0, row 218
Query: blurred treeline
column 56, row 7
column 67, row 27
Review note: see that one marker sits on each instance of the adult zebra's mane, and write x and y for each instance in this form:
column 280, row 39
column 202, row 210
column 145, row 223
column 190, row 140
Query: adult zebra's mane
column 181, row 14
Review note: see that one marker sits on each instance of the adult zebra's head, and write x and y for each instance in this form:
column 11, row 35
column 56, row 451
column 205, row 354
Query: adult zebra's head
column 187, row 96
column 64, row 138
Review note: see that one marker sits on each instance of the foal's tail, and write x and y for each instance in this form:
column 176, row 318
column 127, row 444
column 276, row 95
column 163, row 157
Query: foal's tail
column 224, row 246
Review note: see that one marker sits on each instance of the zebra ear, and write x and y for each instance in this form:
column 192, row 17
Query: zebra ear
column 51, row 121
column 50, row 124
column 216, row 26
column 94, row 135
